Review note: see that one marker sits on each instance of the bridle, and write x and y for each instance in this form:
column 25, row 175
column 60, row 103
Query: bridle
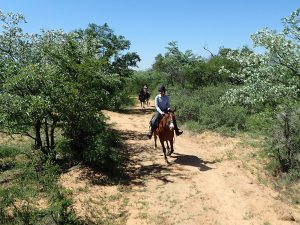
column 170, row 120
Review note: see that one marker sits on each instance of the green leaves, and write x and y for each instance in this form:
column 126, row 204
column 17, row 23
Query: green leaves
column 59, row 78
column 190, row 70
column 271, row 77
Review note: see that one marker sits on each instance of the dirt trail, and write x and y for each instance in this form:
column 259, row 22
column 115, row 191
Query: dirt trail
column 207, row 182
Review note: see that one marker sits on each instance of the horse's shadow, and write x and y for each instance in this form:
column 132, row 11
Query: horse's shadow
column 191, row 160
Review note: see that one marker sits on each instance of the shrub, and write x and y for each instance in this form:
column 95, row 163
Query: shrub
column 103, row 151
column 9, row 151
column 261, row 122
column 284, row 148
column 204, row 107
column 36, row 179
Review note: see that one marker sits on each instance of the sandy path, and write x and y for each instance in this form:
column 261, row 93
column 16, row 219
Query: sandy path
column 205, row 183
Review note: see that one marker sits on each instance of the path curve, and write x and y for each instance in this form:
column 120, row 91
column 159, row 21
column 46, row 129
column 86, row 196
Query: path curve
column 208, row 181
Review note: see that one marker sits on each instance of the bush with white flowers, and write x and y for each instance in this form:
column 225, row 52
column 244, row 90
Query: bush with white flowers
column 273, row 79
column 273, row 76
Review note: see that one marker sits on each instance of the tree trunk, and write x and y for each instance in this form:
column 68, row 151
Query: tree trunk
column 47, row 135
column 52, row 141
column 38, row 139
column 287, row 134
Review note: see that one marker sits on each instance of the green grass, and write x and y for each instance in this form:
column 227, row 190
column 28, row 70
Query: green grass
column 26, row 179
column 9, row 151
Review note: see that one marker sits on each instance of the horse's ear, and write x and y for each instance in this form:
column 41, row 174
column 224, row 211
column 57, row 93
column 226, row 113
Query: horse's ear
column 171, row 110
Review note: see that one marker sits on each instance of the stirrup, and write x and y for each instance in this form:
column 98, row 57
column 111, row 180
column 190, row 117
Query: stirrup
column 149, row 135
column 178, row 132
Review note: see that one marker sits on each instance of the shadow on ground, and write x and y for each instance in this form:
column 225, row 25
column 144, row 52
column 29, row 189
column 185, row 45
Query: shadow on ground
column 143, row 162
column 191, row 160
column 140, row 111
column 133, row 135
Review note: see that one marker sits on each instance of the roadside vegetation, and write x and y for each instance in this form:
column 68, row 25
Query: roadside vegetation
column 54, row 84
column 240, row 92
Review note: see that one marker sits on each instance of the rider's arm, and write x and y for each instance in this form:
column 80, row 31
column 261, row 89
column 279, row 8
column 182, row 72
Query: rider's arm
column 156, row 105
column 168, row 103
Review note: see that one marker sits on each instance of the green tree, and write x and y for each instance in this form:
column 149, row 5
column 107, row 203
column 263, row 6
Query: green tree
column 272, row 80
column 191, row 71
column 60, row 79
column 272, row 77
column 175, row 64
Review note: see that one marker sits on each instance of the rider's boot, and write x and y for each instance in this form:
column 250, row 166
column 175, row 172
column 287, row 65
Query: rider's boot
column 177, row 130
column 149, row 135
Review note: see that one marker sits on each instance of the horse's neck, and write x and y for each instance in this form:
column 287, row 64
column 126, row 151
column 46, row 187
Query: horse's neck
column 164, row 120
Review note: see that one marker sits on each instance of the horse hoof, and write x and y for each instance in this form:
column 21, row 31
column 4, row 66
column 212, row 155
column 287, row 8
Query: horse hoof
column 170, row 153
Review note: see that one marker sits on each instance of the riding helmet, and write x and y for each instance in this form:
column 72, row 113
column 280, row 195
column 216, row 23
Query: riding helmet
column 162, row 88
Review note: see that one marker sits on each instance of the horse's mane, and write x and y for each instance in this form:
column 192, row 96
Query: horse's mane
column 164, row 120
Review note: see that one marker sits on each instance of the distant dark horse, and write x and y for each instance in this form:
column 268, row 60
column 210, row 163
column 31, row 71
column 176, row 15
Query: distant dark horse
column 144, row 98
column 165, row 133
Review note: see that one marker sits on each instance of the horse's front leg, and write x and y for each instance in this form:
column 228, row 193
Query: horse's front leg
column 155, row 139
column 164, row 149
column 168, row 147
column 172, row 147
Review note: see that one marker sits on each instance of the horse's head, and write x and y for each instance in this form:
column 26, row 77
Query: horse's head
column 170, row 117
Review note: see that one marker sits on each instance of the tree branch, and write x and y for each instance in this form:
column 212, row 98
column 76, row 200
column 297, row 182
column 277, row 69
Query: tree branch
column 25, row 133
column 211, row 54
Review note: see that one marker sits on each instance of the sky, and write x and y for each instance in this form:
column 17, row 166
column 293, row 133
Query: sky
column 151, row 24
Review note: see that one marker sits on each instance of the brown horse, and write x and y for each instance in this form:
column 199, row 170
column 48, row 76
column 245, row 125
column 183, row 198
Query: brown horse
column 165, row 132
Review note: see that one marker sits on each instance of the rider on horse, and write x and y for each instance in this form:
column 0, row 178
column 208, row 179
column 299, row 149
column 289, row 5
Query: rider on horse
column 162, row 105
column 144, row 94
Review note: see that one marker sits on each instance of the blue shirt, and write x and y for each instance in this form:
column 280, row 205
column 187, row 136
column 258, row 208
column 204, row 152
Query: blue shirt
column 162, row 103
